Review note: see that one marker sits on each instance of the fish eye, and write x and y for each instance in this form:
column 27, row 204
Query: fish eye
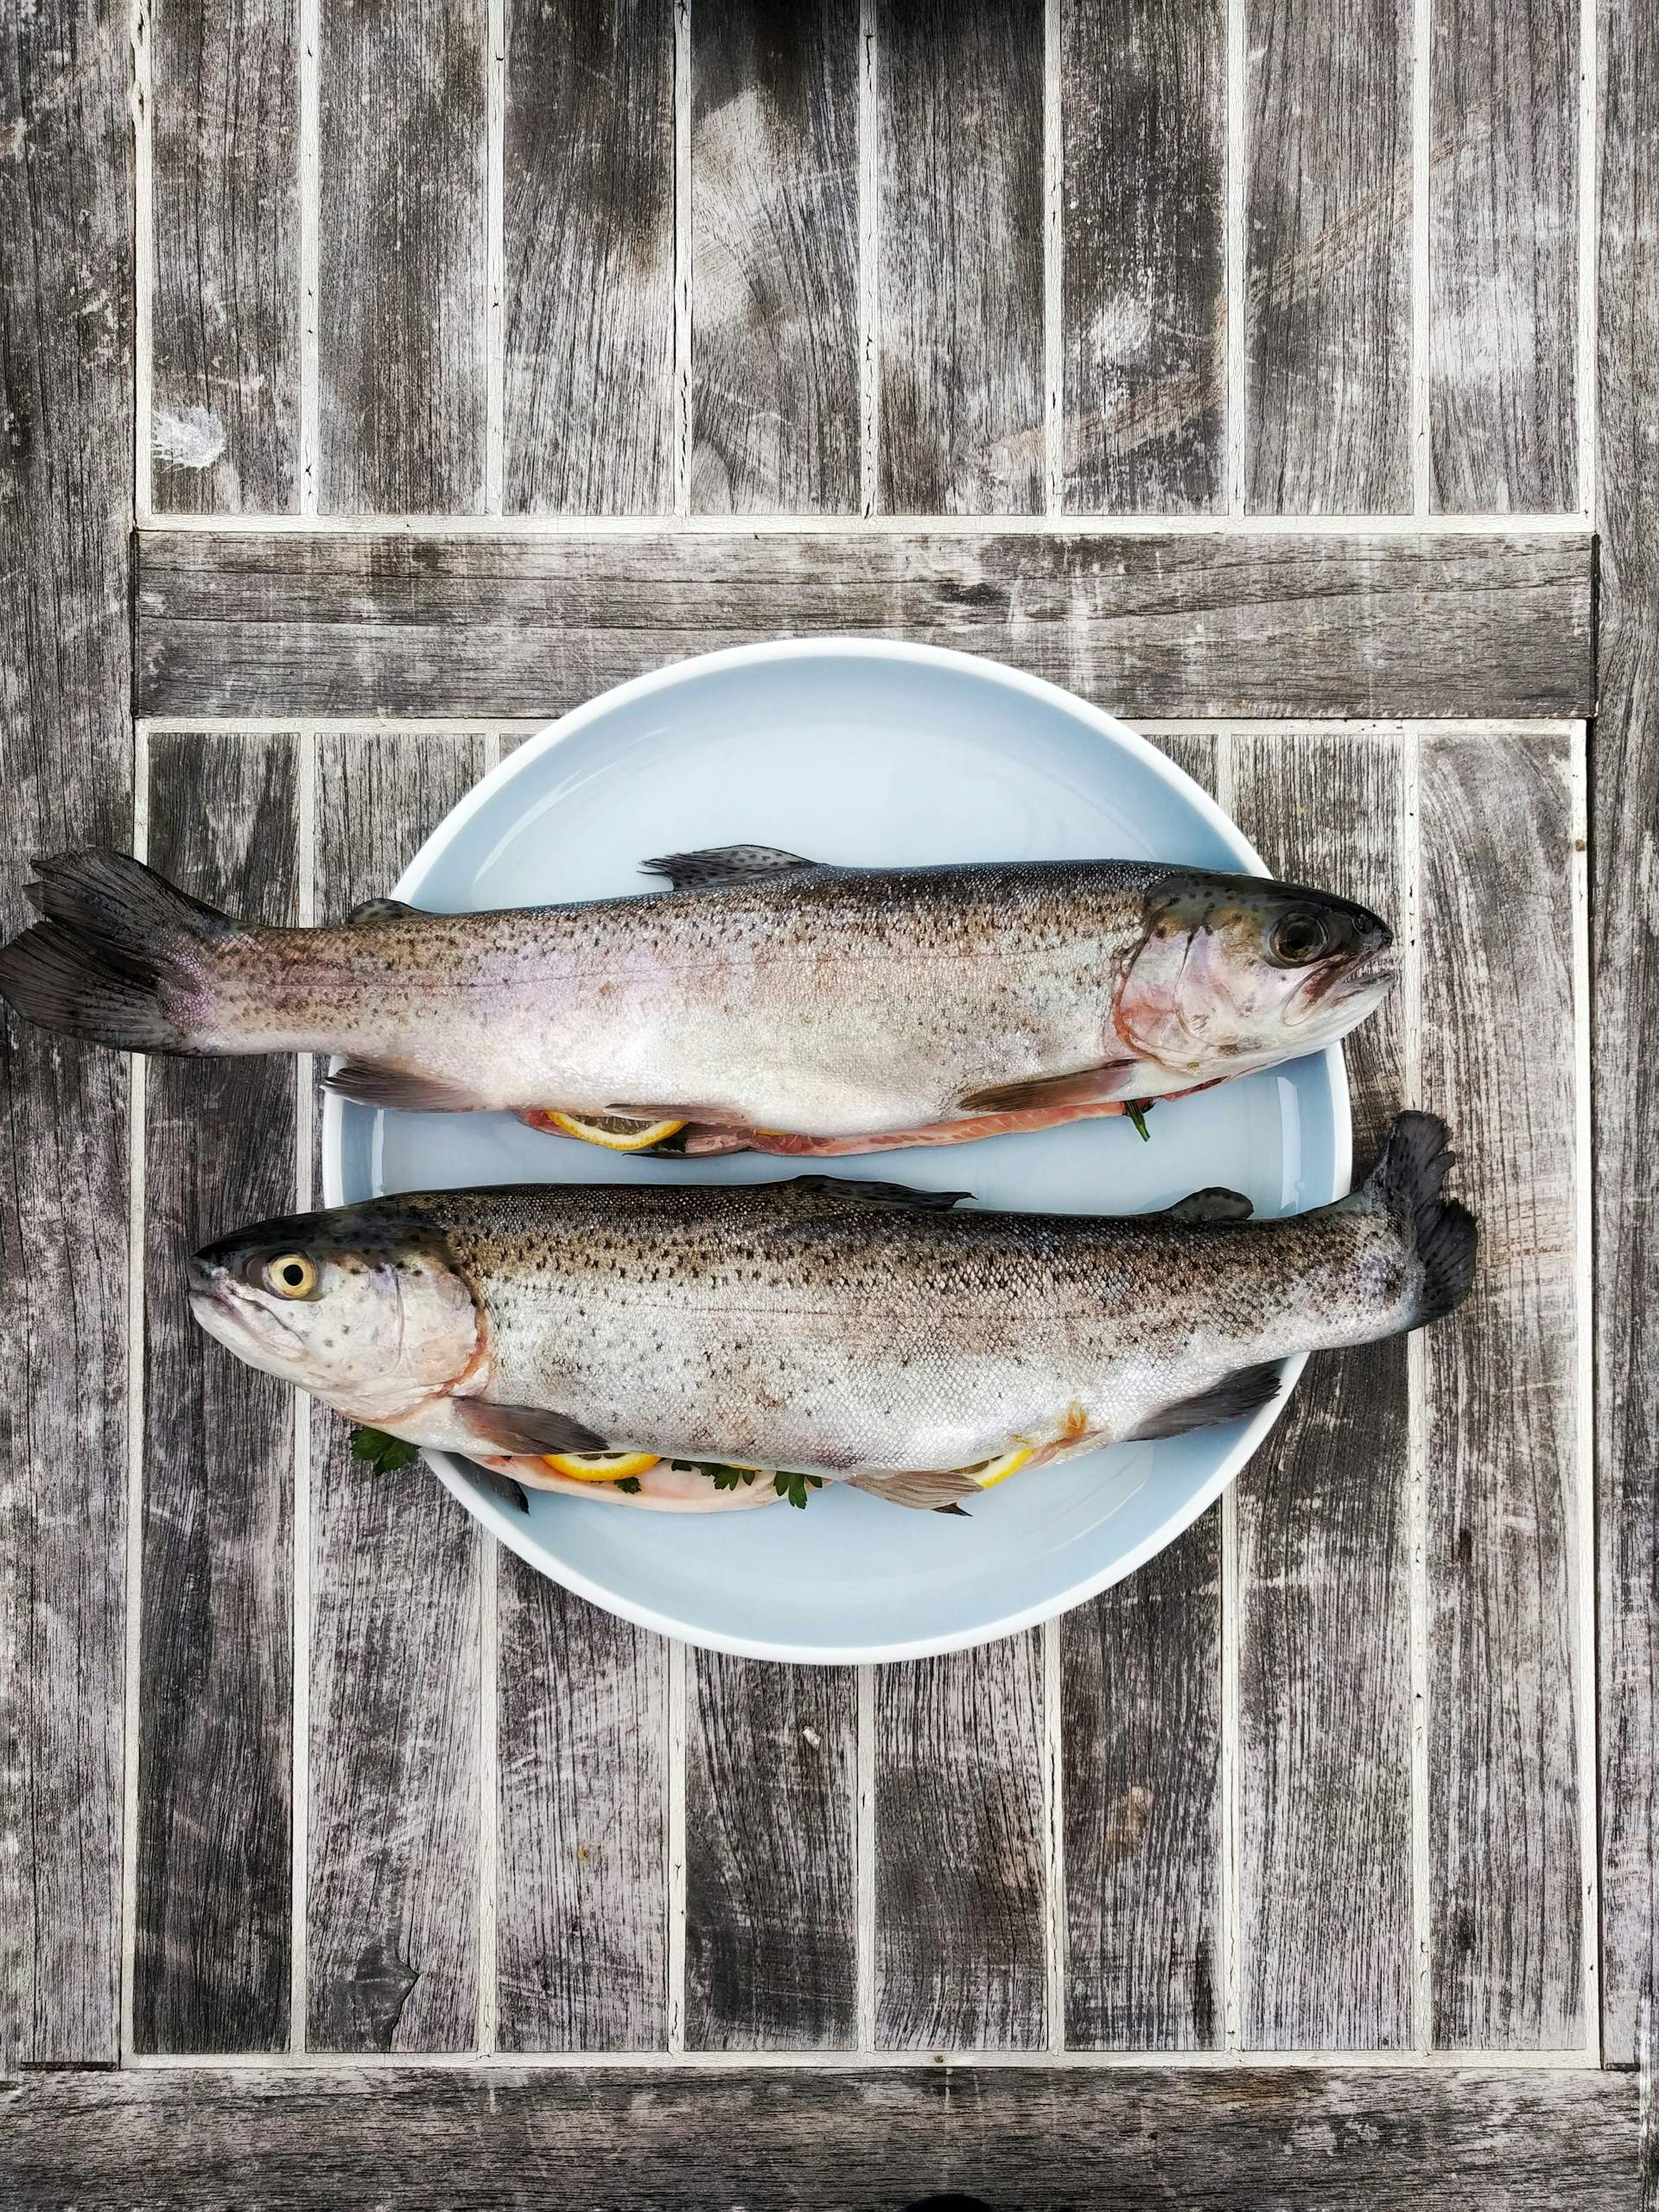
column 290, row 1275
column 1300, row 937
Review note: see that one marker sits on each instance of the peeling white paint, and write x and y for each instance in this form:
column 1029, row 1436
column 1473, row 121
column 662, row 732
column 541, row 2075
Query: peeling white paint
column 193, row 438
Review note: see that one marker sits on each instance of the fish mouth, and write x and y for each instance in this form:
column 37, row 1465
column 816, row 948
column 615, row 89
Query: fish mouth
column 220, row 1304
column 1339, row 999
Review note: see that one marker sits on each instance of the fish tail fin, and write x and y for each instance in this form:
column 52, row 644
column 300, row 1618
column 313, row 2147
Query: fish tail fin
column 1439, row 1235
column 117, row 959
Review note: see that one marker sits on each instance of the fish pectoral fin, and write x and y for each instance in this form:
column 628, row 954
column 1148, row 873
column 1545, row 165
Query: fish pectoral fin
column 1214, row 1205
column 846, row 1190
column 385, row 910
column 926, row 1490
column 370, row 1086
column 535, row 1429
column 1083, row 1087
column 725, row 864
column 1241, row 1392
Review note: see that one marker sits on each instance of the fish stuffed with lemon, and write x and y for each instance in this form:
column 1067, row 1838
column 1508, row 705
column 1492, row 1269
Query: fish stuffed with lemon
column 764, row 1001
column 677, row 1347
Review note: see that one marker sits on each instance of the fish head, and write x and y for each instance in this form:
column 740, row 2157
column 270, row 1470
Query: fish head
column 1236, row 972
column 360, row 1304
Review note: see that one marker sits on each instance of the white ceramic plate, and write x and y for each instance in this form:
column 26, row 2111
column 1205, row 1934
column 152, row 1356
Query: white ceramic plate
column 877, row 754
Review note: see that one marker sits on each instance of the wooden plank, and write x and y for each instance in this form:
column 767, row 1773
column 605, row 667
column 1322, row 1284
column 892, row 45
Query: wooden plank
column 1327, row 230
column 1503, row 217
column 960, row 96
column 65, row 335
column 1143, row 106
column 392, row 1894
column 960, row 1957
column 1179, row 627
column 402, row 281
column 581, row 1902
column 1292, row 2139
column 775, row 258
column 1140, row 1748
column 589, row 184
column 1324, row 1803
column 1141, row 1766
column 770, row 1804
column 225, row 299
column 212, row 1970
column 1500, row 1411
column 1624, row 803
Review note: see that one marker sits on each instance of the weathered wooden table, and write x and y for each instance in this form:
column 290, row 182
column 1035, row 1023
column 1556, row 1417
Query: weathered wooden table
column 1281, row 373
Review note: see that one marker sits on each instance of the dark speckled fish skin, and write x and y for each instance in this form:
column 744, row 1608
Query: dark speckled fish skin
column 835, row 1327
column 824, row 1002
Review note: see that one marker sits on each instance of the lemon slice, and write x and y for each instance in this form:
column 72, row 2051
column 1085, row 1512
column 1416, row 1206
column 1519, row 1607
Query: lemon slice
column 987, row 1471
column 614, row 1131
column 601, row 1466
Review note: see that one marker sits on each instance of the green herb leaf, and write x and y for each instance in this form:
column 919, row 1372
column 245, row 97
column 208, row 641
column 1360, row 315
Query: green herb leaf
column 384, row 1454
column 722, row 1477
column 1137, row 1111
column 629, row 1483
column 795, row 1487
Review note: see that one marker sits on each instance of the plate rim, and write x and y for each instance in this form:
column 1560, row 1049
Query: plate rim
column 505, row 1526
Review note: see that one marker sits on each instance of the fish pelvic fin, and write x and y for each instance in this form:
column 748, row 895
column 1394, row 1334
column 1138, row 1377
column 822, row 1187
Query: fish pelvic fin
column 370, row 1084
column 1439, row 1236
column 923, row 1490
column 1240, row 1392
column 846, row 1190
column 722, row 865
column 1205, row 1208
column 118, row 958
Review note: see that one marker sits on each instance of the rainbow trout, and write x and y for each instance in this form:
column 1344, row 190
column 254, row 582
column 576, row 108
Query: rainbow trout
column 860, row 1331
column 763, row 1002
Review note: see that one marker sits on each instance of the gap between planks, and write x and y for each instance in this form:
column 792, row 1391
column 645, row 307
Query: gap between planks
column 854, row 527
column 495, row 251
column 135, row 1469
column 869, row 236
column 1227, row 1748
column 1421, row 123
column 309, row 197
column 1587, row 1641
column 448, row 726
column 305, row 797
column 139, row 100
column 1420, row 2020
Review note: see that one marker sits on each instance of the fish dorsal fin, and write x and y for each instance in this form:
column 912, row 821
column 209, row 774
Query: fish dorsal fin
column 385, row 910
column 1241, row 1392
column 1214, row 1205
column 726, row 864
column 839, row 1190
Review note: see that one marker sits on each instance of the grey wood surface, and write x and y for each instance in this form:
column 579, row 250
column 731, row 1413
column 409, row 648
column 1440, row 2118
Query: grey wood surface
column 392, row 1818
column 1501, row 1411
column 1624, row 799
column 1324, row 1628
column 1143, row 108
column 215, row 1749
column 1327, row 231
column 588, row 232
column 770, row 1855
column 961, row 1883
column 1295, row 2139
column 581, row 1859
column 1192, row 626
column 1503, row 213
column 224, row 433
column 402, row 257
column 66, row 490
column 775, row 425
column 960, row 155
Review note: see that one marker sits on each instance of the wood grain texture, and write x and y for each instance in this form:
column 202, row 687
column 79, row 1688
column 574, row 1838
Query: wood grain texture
column 1504, row 256
column 582, row 1857
column 1324, row 1805
column 771, row 1806
column 1143, row 108
column 589, row 185
column 1625, row 804
column 960, row 100
column 1291, row 2140
column 225, row 302
column 402, row 276
column 1327, row 283
column 1139, row 1736
column 1141, row 1740
column 775, row 258
column 1190, row 626
column 392, row 1896
column 1500, row 1414
column 961, row 1955
column 215, row 1733
column 66, row 338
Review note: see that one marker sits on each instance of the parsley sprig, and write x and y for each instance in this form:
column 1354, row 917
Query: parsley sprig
column 793, row 1487
column 1137, row 1109
column 384, row 1454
